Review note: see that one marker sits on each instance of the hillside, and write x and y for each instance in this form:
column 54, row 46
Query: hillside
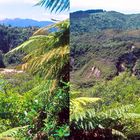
column 11, row 37
column 17, row 22
column 105, row 75
column 100, row 20
column 106, row 45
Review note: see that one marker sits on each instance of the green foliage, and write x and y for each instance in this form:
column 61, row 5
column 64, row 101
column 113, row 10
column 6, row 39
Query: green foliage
column 45, row 51
column 25, row 108
column 78, row 107
column 12, row 132
column 36, row 98
column 118, row 91
column 11, row 37
column 115, row 111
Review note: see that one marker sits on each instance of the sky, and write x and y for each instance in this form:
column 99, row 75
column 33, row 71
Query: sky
column 26, row 9
column 123, row 6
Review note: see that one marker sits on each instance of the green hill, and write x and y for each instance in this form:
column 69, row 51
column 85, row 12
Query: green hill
column 11, row 37
column 104, row 44
column 96, row 21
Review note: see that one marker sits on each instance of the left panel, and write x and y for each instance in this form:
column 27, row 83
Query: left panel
column 34, row 69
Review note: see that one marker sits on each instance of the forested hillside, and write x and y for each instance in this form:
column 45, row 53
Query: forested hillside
column 105, row 75
column 97, row 20
column 110, row 47
column 11, row 37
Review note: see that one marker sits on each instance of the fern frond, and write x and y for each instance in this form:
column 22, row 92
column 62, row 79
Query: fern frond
column 94, row 119
column 12, row 132
column 44, row 51
column 32, row 44
column 78, row 108
column 86, row 100
column 117, row 112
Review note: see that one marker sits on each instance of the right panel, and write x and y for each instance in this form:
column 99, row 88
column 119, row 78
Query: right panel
column 105, row 70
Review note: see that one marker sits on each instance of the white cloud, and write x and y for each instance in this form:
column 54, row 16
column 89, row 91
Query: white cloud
column 126, row 6
column 18, row 1
column 2, row 17
column 31, row 1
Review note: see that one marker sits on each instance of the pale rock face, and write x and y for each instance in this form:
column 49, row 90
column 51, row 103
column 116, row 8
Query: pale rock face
column 94, row 72
column 122, row 67
column 97, row 73
column 132, row 48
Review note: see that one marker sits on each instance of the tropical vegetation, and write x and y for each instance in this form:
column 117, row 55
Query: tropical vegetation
column 34, row 96
column 105, row 81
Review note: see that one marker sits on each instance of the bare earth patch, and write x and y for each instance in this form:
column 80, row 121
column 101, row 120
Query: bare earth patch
column 10, row 71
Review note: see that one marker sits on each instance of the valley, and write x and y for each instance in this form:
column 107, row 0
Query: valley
column 105, row 74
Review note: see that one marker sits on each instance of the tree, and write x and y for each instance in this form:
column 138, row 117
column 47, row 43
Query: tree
column 1, row 60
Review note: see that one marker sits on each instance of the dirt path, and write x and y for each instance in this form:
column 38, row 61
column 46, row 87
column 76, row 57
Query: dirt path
column 9, row 71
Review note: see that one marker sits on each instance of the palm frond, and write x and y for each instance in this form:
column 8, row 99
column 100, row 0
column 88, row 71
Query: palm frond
column 55, row 5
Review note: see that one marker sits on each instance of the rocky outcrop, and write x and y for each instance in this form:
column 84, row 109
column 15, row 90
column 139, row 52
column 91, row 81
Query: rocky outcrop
column 126, row 61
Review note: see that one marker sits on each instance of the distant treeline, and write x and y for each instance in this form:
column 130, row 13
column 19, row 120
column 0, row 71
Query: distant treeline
column 80, row 14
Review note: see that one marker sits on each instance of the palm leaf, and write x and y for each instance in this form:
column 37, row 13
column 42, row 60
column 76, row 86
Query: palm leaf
column 55, row 5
